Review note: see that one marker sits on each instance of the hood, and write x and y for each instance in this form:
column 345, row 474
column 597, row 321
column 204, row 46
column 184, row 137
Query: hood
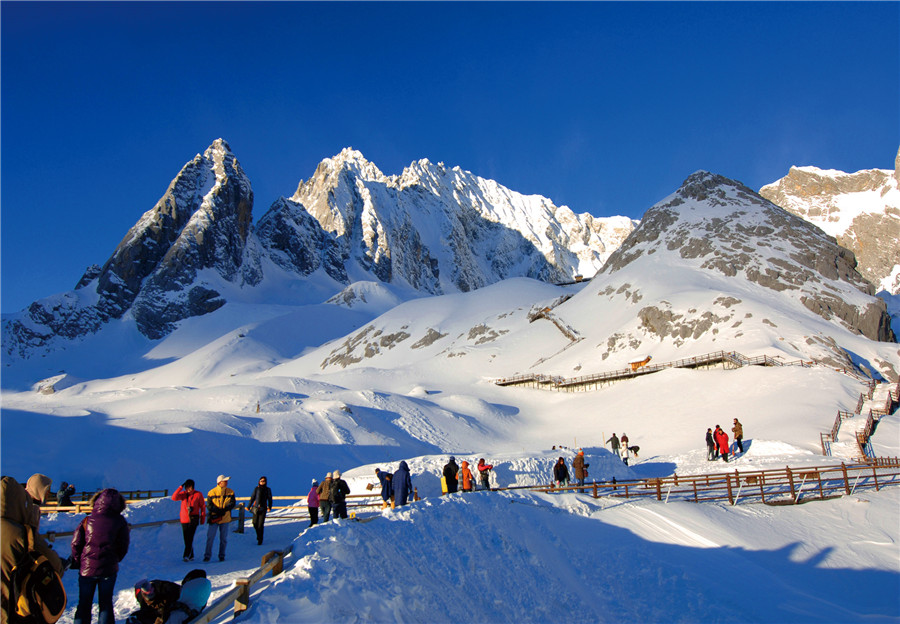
column 108, row 502
column 465, row 464
column 39, row 486
column 403, row 466
column 16, row 502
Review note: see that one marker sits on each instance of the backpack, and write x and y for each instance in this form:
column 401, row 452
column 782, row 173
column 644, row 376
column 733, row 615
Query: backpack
column 37, row 590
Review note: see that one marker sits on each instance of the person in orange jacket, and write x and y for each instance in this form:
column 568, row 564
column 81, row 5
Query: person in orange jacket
column 192, row 514
column 465, row 478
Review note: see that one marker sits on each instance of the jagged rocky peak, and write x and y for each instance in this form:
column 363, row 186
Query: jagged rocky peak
column 718, row 224
column 861, row 210
column 201, row 222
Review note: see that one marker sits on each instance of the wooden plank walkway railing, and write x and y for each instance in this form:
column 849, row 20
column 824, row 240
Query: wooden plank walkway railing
column 782, row 486
column 725, row 358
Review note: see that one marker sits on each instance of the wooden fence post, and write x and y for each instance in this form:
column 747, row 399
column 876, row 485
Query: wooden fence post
column 846, row 482
column 791, row 479
column 595, row 490
column 279, row 567
column 242, row 600
column 875, row 476
column 728, row 484
column 658, row 490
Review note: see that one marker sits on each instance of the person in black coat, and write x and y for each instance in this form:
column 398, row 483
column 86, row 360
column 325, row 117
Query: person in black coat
column 339, row 491
column 711, row 452
column 450, row 472
column 260, row 505
column 561, row 473
column 402, row 484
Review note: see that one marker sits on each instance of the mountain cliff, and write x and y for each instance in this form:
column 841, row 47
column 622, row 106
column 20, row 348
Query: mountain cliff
column 861, row 210
column 431, row 229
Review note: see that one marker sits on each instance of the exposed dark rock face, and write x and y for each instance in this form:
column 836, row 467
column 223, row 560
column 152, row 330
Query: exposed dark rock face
column 721, row 225
column 862, row 211
column 164, row 269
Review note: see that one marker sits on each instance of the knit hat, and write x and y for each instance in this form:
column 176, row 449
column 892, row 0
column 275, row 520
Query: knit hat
column 336, row 474
column 38, row 486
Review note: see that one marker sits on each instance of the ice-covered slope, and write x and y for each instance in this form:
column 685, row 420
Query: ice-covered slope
column 862, row 210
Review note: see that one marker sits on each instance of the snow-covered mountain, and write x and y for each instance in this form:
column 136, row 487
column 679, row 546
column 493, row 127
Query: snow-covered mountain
column 712, row 267
column 430, row 230
column 861, row 210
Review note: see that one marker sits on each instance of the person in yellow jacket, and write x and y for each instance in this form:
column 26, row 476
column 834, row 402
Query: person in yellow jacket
column 219, row 503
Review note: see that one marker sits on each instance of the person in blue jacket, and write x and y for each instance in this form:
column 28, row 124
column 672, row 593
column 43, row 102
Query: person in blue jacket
column 402, row 483
column 387, row 491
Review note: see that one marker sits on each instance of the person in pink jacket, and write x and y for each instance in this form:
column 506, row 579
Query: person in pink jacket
column 312, row 502
column 193, row 514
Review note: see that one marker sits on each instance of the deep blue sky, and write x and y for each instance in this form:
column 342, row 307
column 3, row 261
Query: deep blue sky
column 604, row 107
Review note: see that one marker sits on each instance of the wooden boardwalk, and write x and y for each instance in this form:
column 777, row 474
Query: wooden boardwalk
column 725, row 359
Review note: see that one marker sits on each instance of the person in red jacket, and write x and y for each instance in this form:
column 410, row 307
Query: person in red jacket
column 484, row 471
column 722, row 442
column 193, row 514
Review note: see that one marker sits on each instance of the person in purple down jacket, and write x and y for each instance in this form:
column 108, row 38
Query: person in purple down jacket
column 100, row 543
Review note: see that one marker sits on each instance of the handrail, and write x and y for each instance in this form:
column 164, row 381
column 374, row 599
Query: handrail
column 770, row 486
column 715, row 357
column 239, row 595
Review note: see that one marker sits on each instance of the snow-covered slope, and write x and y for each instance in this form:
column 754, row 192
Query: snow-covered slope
column 293, row 388
column 862, row 210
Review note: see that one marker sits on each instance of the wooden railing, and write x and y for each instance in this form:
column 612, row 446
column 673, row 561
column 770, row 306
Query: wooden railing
column 710, row 359
column 239, row 596
column 783, row 486
column 84, row 504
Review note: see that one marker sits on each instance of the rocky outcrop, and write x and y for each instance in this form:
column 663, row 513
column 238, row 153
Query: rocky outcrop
column 443, row 230
column 169, row 265
column 861, row 210
column 721, row 225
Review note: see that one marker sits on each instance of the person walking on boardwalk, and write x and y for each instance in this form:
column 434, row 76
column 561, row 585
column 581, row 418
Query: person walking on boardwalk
column 560, row 473
column 465, row 478
column 339, row 492
column 402, row 484
column 192, row 515
column 614, row 441
column 100, row 542
column 324, row 492
column 450, row 472
column 387, row 490
column 721, row 442
column 219, row 503
column 738, row 431
column 260, row 505
column 312, row 503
